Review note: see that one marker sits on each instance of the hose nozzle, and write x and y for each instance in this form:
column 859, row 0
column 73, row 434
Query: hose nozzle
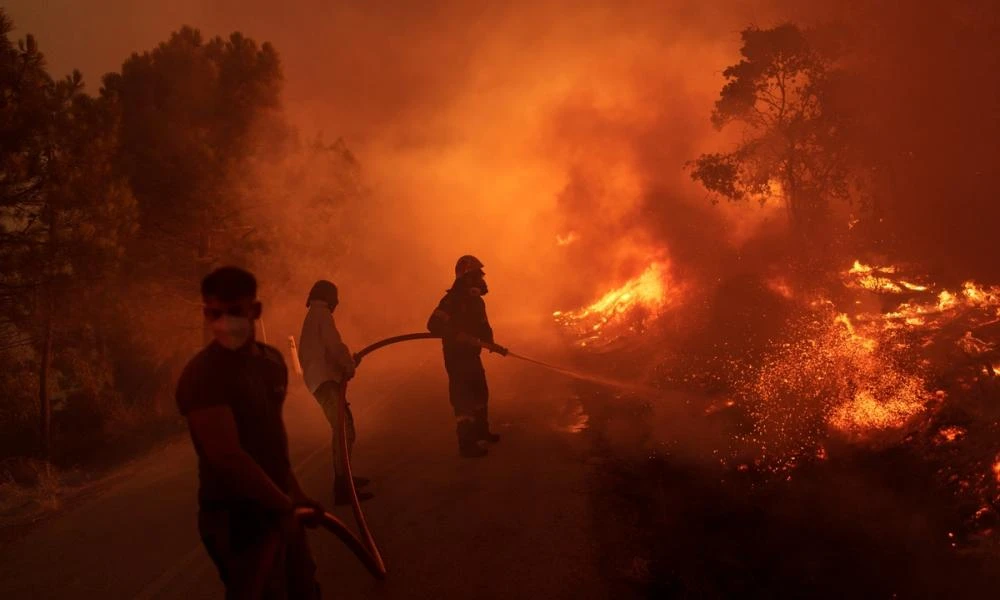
column 497, row 348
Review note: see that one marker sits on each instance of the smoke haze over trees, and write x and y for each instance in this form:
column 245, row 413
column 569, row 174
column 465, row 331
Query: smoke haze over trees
column 485, row 129
column 115, row 205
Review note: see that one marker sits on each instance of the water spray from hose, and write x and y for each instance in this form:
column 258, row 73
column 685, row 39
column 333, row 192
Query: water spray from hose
column 575, row 374
column 582, row 376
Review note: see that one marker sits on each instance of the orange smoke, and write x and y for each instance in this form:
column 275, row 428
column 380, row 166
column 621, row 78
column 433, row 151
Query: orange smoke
column 471, row 124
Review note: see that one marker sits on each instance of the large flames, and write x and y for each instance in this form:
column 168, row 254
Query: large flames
column 625, row 310
column 926, row 306
column 877, row 361
column 832, row 376
column 858, row 371
column 881, row 279
column 865, row 372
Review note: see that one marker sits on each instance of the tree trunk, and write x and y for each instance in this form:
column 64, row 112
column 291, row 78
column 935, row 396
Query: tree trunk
column 45, row 363
column 792, row 191
column 44, row 401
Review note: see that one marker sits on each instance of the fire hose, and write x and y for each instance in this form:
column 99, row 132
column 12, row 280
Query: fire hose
column 364, row 546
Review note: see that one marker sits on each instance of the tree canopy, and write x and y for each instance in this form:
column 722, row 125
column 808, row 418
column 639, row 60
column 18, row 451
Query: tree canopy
column 65, row 216
column 113, row 206
column 785, row 94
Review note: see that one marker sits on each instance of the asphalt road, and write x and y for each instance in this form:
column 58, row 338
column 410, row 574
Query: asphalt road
column 517, row 524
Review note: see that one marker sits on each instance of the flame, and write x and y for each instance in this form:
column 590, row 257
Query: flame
column 846, row 372
column 881, row 279
column 950, row 434
column 861, row 374
column 895, row 337
column 843, row 372
column 863, row 369
column 870, row 278
column 866, row 412
column 929, row 307
column 946, row 301
column 859, row 340
column 977, row 295
column 836, row 374
column 626, row 309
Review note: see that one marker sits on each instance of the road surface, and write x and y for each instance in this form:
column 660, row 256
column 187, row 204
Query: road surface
column 517, row 524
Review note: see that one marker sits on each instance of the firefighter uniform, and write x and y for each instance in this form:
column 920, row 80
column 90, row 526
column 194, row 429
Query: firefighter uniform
column 460, row 318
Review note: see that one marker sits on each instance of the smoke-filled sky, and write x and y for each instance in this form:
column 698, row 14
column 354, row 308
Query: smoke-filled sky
column 493, row 128
column 488, row 130
column 365, row 69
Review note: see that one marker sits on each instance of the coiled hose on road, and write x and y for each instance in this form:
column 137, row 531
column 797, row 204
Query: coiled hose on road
column 363, row 546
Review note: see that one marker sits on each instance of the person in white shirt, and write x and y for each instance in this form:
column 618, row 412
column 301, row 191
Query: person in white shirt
column 326, row 364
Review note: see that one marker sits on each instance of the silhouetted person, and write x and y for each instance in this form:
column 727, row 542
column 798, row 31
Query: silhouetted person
column 231, row 394
column 460, row 318
column 326, row 364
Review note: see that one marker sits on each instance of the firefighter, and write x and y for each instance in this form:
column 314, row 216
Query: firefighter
column 326, row 364
column 231, row 394
column 460, row 319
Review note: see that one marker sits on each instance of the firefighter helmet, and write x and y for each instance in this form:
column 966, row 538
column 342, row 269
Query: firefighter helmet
column 323, row 291
column 467, row 264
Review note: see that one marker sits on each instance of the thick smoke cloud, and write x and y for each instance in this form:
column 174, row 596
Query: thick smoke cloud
column 472, row 125
column 929, row 78
column 500, row 130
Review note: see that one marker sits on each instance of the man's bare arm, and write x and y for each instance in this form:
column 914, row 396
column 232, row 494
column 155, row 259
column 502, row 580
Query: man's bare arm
column 214, row 429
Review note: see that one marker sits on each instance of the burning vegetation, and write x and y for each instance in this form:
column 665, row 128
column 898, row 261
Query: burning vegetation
column 624, row 311
column 884, row 359
column 797, row 353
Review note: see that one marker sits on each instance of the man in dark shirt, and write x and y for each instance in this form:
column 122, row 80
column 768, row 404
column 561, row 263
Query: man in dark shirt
column 231, row 394
column 460, row 318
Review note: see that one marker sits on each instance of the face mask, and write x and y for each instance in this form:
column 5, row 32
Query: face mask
column 476, row 285
column 232, row 332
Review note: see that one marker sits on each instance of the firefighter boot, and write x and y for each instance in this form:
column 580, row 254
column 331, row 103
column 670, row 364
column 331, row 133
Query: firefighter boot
column 483, row 427
column 468, row 440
